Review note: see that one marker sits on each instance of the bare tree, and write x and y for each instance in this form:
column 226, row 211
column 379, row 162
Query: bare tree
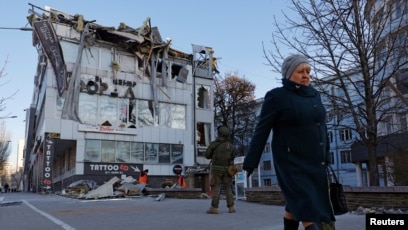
column 4, row 146
column 2, row 98
column 341, row 38
column 17, row 179
column 234, row 102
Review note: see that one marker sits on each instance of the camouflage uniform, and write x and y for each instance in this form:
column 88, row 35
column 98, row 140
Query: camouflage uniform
column 222, row 153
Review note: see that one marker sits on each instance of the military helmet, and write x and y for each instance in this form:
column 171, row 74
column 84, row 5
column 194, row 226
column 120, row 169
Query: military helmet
column 223, row 131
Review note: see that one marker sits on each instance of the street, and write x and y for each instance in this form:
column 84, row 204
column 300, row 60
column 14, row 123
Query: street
column 34, row 211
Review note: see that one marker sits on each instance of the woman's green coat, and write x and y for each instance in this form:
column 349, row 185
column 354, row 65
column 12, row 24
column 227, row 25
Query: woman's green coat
column 300, row 149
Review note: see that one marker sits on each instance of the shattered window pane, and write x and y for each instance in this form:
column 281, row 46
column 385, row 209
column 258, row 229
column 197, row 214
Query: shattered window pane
column 145, row 113
column 179, row 117
column 108, row 151
column 203, row 134
column 88, row 104
column 172, row 116
column 123, row 151
column 137, row 152
column 165, row 115
column 108, row 109
column 92, row 150
column 123, row 108
column 132, row 111
column 203, row 97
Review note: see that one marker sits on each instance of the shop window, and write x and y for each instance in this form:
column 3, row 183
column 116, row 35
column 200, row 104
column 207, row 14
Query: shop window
column 92, row 151
column 176, row 154
column 108, row 151
column 151, row 152
column 122, row 151
column 132, row 152
column 137, row 152
column 164, row 153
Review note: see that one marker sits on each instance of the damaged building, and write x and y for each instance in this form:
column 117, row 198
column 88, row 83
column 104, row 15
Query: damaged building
column 111, row 102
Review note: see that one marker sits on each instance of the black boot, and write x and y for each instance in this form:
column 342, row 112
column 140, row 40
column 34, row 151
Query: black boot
column 314, row 226
column 289, row 224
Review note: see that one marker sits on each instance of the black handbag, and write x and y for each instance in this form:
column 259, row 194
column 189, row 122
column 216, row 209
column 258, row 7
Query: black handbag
column 337, row 196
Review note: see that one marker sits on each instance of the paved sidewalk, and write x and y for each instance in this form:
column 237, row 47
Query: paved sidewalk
column 177, row 213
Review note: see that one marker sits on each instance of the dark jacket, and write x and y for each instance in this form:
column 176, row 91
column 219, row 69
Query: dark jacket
column 300, row 149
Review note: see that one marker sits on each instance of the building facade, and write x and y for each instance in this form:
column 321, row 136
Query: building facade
column 112, row 102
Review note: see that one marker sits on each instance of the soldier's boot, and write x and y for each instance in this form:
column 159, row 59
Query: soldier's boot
column 212, row 210
column 289, row 224
column 231, row 209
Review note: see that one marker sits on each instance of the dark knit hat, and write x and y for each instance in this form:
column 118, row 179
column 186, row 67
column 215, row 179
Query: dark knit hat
column 290, row 63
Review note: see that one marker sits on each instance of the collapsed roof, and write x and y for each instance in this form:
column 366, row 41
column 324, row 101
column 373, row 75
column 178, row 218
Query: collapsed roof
column 140, row 41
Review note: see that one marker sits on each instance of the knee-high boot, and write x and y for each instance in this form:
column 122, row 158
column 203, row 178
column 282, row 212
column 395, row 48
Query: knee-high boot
column 289, row 224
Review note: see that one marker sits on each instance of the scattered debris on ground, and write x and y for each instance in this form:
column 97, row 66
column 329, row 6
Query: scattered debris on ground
column 10, row 203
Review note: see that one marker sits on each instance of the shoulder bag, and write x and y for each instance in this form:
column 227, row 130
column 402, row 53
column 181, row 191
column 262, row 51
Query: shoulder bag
column 337, row 196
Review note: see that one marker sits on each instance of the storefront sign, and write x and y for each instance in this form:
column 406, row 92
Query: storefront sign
column 112, row 169
column 177, row 169
column 106, row 129
column 197, row 170
column 47, row 165
column 50, row 43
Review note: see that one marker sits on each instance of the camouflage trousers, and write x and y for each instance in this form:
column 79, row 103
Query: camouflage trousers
column 327, row 226
column 216, row 181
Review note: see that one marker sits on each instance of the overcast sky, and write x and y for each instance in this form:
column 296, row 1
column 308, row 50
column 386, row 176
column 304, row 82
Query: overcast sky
column 234, row 29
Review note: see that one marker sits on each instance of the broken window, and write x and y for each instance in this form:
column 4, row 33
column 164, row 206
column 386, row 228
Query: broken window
column 108, row 109
column 88, row 105
column 203, row 134
column 172, row 116
column 145, row 113
column 123, row 109
column 179, row 72
column 203, row 97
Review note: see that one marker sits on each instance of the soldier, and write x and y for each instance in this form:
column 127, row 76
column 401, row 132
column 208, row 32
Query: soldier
column 222, row 153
